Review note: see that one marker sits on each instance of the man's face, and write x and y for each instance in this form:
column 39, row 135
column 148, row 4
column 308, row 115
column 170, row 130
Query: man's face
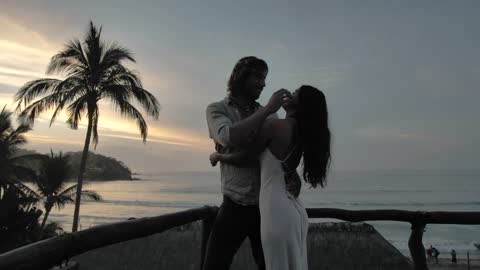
column 254, row 84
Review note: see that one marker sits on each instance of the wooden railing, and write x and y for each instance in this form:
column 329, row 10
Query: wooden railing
column 50, row 252
column 418, row 220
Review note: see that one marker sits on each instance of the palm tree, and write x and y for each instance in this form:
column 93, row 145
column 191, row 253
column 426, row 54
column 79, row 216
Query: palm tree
column 15, row 168
column 93, row 71
column 18, row 221
column 17, row 216
column 52, row 187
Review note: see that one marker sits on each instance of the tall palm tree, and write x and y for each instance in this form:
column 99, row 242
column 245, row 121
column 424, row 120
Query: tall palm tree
column 52, row 187
column 93, row 72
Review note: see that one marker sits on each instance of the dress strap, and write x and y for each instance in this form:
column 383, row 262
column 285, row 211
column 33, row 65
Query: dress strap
column 285, row 167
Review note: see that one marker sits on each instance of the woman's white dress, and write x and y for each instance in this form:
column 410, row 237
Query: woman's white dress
column 284, row 221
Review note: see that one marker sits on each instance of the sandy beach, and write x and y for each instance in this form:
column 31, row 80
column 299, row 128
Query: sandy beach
column 446, row 264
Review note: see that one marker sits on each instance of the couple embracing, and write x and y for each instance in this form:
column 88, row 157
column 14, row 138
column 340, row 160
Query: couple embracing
column 259, row 155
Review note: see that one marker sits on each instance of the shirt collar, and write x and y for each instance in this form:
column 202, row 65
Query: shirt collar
column 231, row 100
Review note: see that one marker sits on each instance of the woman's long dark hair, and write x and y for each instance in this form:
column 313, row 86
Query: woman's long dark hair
column 312, row 119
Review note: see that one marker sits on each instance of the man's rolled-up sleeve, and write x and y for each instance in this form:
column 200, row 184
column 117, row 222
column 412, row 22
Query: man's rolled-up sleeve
column 218, row 124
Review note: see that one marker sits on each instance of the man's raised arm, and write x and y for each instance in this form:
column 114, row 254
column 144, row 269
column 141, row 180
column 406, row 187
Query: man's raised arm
column 244, row 132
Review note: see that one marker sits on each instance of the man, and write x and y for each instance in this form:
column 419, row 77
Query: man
column 454, row 256
column 233, row 123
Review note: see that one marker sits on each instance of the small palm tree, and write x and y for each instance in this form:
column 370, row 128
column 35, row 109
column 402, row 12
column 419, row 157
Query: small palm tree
column 17, row 216
column 18, row 221
column 15, row 168
column 93, row 72
column 52, row 187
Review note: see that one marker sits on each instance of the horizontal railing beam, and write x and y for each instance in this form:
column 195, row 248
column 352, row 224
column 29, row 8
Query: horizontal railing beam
column 52, row 251
column 440, row 217
column 49, row 252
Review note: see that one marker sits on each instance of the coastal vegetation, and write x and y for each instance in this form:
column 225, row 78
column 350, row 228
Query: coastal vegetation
column 52, row 189
column 19, row 216
column 20, row 201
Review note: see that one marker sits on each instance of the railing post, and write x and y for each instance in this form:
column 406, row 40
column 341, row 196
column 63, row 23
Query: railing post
column 468, row 260
column 207, row 225
column 417, row 251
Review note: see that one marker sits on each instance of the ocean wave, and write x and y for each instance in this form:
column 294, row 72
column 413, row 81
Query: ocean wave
column 308, row 204
column 165, row 204
column 393, row 204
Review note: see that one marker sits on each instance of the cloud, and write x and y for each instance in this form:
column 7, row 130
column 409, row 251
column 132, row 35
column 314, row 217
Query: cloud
column 25, row 53
column 42, row 139
column 11, row 30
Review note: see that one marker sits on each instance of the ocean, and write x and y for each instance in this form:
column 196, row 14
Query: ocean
column 168, row 192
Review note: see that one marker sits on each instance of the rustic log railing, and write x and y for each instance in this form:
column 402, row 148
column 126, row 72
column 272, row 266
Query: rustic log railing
column 418, row 220
column 50, row 252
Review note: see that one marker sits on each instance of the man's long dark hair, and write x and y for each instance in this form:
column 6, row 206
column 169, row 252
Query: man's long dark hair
column 312, row 119
column 242, row 70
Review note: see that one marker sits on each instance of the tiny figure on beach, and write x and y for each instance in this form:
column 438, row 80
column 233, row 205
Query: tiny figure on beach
column 429, row 252
column 435, row 254
column 454, row 256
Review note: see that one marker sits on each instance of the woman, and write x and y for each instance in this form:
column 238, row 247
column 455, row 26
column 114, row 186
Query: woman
column 304, row 133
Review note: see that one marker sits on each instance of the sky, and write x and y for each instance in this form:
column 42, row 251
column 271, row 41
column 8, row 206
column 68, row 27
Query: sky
column 401, row 78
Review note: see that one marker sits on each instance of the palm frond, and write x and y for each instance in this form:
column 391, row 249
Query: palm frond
column 70, row 82
column 117, row 92
column 69, row 61
column 27, row 192
column 128, row 77
column 55, row 170
column 76, row 110
column 16, row 138
column 28, row 115
column 94, row 51
column 148, row 101
column 32, row 90
column 69, row 192
column 90, row 194
column 60, row 201
column 121, row 78
column 114, row 55
column 67, row 98
column 127, row 110
column 5, row 121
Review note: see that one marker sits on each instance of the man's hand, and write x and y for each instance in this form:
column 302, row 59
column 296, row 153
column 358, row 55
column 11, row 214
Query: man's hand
column 278, row 98
column 214, row 159
column 293, row 183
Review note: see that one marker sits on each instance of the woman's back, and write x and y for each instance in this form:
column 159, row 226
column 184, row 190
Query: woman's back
column 284, row 221
column 285, row 142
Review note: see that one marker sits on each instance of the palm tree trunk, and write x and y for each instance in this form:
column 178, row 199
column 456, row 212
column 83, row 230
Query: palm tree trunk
column 42, row 227
column 83, row 163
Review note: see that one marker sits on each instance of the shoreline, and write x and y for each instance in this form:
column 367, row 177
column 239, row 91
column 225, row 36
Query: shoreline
column 446, row 264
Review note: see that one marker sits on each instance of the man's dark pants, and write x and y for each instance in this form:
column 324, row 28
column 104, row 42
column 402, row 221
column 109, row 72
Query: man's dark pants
column 232, row 225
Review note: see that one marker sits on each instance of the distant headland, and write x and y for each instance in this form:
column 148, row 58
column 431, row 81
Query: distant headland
column 98, row 168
